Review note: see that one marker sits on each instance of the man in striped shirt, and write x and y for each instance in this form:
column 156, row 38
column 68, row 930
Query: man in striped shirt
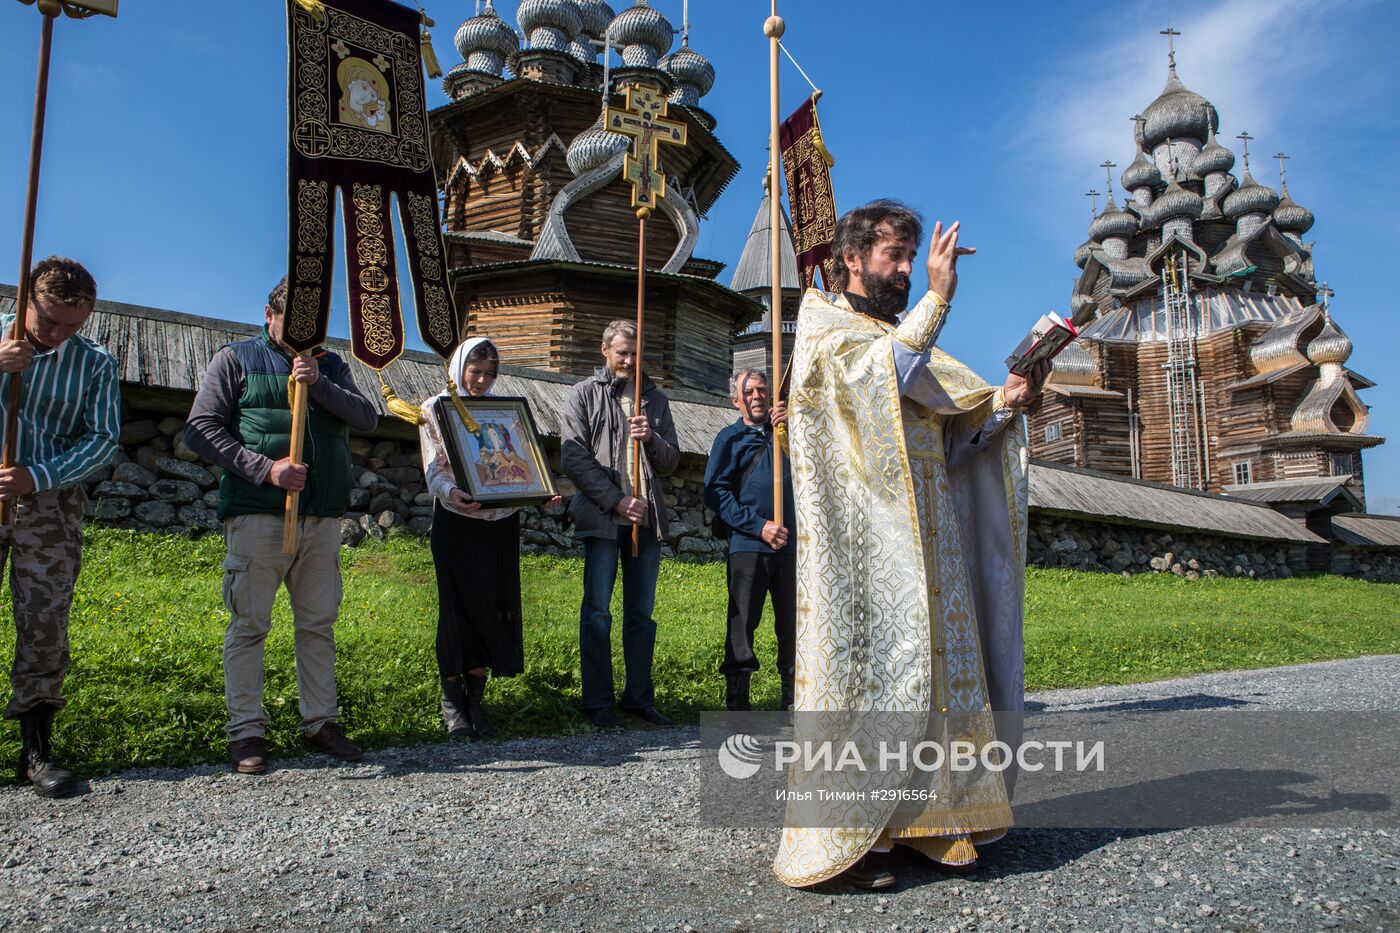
column 69, row 417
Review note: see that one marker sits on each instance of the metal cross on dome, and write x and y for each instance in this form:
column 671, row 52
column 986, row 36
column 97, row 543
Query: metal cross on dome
column 1171, row 34
column 1283, row 181
column 1244, row 137
column 1093, row 197
column 644, row 121
column 1108, row 166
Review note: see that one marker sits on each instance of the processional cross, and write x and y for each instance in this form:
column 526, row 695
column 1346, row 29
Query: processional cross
column 644, row 121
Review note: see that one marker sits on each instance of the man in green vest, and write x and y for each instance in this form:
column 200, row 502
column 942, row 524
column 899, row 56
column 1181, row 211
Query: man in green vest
column 242, row 421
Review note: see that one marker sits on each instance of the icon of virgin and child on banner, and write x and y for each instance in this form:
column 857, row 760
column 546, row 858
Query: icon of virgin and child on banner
column 358, row 123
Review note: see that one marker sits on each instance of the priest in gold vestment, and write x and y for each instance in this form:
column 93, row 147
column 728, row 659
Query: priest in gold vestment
column 910, row 482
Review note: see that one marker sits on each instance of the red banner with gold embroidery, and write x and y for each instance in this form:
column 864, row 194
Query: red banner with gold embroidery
column 807, row 165
column 358, row 123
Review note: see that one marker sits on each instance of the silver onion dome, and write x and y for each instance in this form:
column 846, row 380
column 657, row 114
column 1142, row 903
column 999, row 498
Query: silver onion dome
column 693, row 74
column 1141, row 173
column 1290, row 216
column 485, row 41
column 1212, row 159
column 644, row 34
column 1330, row 345
column 1177, row 114
column 1113, row 222
column 1251, row 198
column 596, row 15
column 594, row 147
column 1176, row 201
column 549, row 24
column 1082, row 254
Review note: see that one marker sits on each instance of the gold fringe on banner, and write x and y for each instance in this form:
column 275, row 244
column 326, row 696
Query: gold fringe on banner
column 405, row 411
column 425, row 44
column 818, row 143
column 316, row 8
column 465, row 415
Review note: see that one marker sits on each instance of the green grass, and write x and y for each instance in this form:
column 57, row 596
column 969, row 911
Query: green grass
column 146, row 685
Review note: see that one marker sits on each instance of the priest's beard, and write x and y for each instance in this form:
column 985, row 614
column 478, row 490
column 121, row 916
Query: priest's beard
column 889, row 293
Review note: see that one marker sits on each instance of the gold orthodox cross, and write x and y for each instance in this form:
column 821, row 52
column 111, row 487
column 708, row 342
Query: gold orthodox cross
column 644, row 121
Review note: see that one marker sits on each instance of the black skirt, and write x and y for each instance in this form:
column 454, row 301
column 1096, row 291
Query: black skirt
column 478, row 577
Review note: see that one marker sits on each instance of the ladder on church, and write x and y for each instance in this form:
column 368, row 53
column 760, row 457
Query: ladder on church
column 1182, row 387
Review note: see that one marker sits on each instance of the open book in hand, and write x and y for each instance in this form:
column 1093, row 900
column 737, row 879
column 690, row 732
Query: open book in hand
column 1047, row 338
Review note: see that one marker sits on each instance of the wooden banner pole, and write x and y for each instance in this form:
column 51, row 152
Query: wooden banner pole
column 773, row 29
column 289, row 521
column 642, row 213
column 26, row 262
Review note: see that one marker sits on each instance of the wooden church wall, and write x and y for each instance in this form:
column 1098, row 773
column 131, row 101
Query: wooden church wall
column 603, row 228
column 1105, row 444
column 1056, row 409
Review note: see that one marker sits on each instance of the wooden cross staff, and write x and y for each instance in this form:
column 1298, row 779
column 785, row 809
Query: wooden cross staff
column 50, row 10
column 289, row 518
column 644, row 121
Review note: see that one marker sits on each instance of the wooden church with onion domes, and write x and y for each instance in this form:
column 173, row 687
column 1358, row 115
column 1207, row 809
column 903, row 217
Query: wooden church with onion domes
column 541, row 235
column 1210, row 356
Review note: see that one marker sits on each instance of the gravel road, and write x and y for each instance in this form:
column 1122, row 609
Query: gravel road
column 602, row 832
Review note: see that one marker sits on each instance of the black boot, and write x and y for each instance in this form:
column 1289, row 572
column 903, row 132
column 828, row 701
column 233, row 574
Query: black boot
column 36, row 755
column 476, row 689
column 736, row 692
column 454, row 711
column 785, row 705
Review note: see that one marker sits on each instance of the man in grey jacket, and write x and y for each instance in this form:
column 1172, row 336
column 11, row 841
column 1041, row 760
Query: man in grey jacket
column 599, row 427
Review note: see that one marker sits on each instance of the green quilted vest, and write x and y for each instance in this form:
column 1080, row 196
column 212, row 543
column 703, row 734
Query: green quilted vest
column 264, row 425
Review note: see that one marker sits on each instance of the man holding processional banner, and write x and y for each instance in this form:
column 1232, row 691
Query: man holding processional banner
column 357, row 123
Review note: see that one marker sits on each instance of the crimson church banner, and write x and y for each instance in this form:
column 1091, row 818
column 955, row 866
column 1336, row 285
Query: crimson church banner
column 358, row 124
column 807, row 166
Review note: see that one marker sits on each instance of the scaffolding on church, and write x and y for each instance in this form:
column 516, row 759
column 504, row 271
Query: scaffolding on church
column 1183, row 390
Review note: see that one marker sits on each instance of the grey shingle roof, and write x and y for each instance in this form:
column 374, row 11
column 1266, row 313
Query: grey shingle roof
column 1321, row 490
column 1082, row 493
column 754, row 270
column 1367, row 530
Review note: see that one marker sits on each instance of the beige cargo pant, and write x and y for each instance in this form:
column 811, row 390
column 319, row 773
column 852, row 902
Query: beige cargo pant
column 45, row 550
column 253, row 571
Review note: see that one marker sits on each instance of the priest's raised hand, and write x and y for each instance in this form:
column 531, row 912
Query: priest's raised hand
column 943, row 255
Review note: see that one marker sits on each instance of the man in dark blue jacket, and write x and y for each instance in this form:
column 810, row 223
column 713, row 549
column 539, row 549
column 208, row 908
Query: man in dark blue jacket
column 762, row 553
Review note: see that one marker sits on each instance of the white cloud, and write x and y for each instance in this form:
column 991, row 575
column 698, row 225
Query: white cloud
column 1255, row 62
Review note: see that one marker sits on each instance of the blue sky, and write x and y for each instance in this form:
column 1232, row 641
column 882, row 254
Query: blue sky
column 164, row 165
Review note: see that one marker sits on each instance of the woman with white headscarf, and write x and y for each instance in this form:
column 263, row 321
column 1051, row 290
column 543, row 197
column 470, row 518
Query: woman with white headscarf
column 476, row 552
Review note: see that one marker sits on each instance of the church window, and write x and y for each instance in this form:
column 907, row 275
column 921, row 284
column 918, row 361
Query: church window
column 1244, row 473
column 1342, row 464
column 1053, row 432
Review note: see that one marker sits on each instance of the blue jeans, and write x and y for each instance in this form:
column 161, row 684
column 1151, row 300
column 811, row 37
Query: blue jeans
column 600, row 559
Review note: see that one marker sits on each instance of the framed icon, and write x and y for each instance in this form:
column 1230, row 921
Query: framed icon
column 497, row 457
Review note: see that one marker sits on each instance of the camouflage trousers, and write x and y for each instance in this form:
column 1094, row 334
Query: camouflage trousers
column 45, row 551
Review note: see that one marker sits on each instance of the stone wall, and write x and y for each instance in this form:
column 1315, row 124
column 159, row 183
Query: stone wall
column 159, row 484
column 1367, row 563
column 1128, row 549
